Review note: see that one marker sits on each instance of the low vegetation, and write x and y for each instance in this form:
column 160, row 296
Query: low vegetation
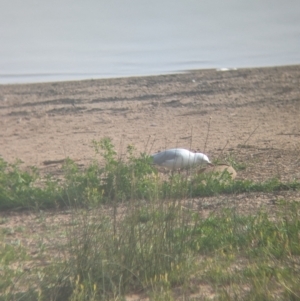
column 130, row 233
column 117, row 180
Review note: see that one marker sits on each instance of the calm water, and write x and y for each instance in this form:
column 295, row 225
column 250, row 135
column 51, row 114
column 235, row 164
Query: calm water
column 42, row 40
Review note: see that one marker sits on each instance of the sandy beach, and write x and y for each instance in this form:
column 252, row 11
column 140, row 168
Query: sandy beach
column 252, row 115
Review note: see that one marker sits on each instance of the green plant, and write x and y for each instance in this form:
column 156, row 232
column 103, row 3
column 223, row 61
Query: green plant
column 116, row 180
column 155, row 247
column 20, row 188
column 231, row 160
column 125, row 179
column 11, row 257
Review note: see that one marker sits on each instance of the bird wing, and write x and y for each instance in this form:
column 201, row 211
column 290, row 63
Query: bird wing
column 164, row 156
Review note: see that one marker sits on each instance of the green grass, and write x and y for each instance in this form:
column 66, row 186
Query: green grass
column 154, row 248
column 118, row 180
column 238, row 166
column 131, row 233
column 12, row 256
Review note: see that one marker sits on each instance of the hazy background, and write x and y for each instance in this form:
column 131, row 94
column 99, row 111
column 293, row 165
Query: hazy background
column 42, row 40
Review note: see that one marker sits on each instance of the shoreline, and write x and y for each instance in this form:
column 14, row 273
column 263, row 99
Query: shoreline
column 220, row 69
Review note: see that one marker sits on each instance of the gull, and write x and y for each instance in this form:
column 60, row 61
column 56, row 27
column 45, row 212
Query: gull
column 175, row 158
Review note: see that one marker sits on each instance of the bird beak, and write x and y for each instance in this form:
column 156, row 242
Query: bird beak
column 210, row 164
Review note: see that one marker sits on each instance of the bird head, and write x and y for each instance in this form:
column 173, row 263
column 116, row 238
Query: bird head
column 203, row 159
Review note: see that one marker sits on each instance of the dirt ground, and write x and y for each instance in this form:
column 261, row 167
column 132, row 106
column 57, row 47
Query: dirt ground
column 216, row 112
column 250, row 116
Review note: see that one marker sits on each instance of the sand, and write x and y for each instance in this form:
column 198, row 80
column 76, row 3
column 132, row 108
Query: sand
column 252, row 115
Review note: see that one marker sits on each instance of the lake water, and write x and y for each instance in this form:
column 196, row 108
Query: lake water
column 42, row 40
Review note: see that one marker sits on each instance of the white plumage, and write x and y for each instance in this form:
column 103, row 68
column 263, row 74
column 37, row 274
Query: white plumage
column 176, row 158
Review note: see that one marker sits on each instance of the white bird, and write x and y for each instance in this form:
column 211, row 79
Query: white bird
column 175, row 158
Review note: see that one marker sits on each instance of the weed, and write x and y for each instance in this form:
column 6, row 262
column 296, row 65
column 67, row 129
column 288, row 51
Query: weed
column 20, row 188
column 11, row 257
column 154, row 247
column 238, row 166
column 152, row 244
column 118, row 180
